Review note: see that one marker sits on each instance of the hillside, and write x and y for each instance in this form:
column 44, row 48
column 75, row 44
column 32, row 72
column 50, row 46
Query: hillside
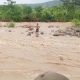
column 46, row 4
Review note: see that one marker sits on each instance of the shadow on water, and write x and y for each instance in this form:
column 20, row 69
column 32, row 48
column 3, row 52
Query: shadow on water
column 51, row 76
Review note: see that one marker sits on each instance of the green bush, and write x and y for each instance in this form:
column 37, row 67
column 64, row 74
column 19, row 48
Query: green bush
column 76, row 22
column 11, row 25
column 62, row 13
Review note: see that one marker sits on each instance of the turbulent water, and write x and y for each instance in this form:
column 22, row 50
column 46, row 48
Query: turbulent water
column 25, row 57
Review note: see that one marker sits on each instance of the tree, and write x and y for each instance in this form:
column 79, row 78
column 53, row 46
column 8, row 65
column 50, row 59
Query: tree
column 47, row 15
column 76, row 2
column 38, row 11
column 11, row 12
column 70, row 6
column 27, row 10
column 10, row 3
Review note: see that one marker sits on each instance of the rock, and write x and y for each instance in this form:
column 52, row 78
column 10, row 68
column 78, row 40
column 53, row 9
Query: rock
column 71, row 31
column 29, row 34
column 31, row 28
column 9, row 31
column 51, row 76
column 50, row 26
column 32, row 32
column 77, row 29
column 42, row 33
column 77, row 34
column 25, row 26
column 58, row 33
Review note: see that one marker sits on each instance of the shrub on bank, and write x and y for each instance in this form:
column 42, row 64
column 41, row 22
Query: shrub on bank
column 11, row 25
column 76, row 22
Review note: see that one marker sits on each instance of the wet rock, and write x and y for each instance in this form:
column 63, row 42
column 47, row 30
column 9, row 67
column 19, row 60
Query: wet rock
column 73, row 32
column 32, row 32
column 25, row 26
column 58, row 33
column 31, row 28
column 29, row 34
column 51, row 76
column 9, row 31
column 51, row 26
column 77, row 34
column 77, row 30
column 42, row 33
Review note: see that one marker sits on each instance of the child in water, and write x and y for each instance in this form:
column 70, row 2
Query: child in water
column 37, row 30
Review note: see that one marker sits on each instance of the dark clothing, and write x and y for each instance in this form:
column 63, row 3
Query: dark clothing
column 37, row 30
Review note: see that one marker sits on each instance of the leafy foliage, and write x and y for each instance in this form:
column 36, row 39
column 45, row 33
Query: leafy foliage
column 69, row 11
column 11, row 25
column 76, row 22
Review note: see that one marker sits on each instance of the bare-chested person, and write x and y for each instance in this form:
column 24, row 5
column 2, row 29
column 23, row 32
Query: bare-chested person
column 37, row 30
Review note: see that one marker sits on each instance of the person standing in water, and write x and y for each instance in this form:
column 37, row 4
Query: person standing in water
column 37, row 30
